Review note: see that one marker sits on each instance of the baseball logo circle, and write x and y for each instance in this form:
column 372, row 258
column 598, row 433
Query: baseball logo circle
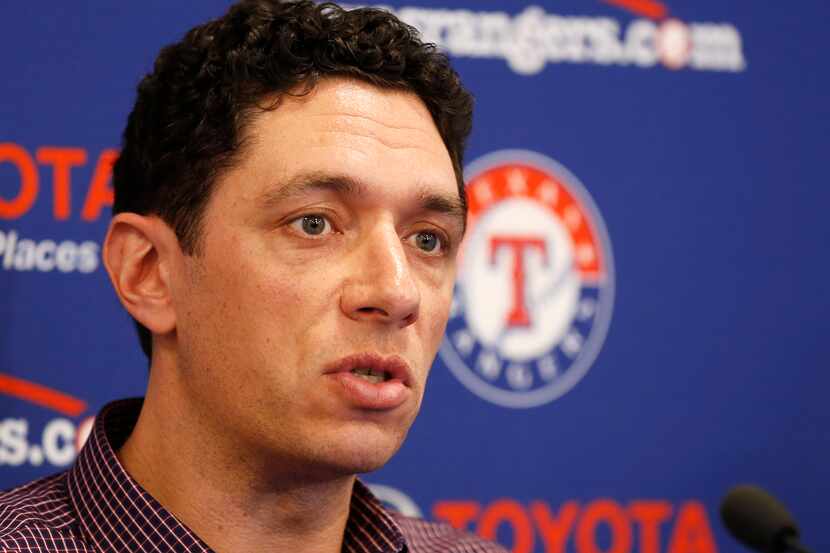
column 535, row 288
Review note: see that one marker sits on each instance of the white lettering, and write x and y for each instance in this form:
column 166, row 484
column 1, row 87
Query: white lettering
column 59, row 442
column 14, row 448
column 45, row 256
column 8, row 255
column 88, row 257
column 639, row 43
column 716, row 47
column 25, row 254
column 65, row 256
column 24, row 258
column 533, row 38
column 519, row 377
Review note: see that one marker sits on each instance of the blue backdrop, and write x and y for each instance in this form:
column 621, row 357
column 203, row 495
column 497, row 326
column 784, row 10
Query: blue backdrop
column 654, row 333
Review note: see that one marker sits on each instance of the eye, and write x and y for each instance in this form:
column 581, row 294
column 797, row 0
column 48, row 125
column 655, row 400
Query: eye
column 312, row 225
column 429, row 242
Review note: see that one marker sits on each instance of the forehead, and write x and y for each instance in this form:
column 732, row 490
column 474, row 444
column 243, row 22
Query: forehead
column 344, row 126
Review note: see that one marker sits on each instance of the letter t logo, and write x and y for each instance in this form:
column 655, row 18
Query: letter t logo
column 518, row 315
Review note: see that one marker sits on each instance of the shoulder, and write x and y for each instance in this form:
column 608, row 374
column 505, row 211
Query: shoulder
column 37, row 516
column 434, row 537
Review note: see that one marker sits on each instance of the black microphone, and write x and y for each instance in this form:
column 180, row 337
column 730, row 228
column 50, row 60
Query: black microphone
column 759, row 521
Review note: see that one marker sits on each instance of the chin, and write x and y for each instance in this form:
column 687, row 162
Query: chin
column 364, row 464
column 359, row 450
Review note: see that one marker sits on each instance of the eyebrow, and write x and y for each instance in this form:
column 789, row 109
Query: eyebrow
column 346, row 186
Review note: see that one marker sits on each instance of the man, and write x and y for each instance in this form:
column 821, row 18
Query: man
column 288, row 208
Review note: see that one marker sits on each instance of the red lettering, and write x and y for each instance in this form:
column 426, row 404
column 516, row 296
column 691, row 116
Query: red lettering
column 692, row 533
column 554, row 529
column 650, row 515
column 509, row 511
column 458, row 513
column 603, row 511
column 62, row 161
column 518, row 315
column 25, row 199
column 100, row 193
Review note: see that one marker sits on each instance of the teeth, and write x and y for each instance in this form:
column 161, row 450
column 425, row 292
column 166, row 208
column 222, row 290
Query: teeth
column 369, row 374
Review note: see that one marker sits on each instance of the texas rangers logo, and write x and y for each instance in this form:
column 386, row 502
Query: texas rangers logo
column 535, row 288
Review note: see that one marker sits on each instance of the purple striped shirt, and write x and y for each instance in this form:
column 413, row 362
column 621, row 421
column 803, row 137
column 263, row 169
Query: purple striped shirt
column 97, row 506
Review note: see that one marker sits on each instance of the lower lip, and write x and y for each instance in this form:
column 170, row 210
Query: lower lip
column 364, row 394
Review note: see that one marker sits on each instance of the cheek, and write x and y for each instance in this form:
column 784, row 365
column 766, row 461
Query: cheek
column 435, row 312
column 248, row 277
column 289, row 309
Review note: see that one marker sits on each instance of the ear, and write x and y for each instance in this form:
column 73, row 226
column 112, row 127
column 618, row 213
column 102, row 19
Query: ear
column 138, row 253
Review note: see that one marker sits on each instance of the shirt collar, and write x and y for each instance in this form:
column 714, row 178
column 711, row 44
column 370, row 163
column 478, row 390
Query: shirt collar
column 370, row 529
column 116, row 514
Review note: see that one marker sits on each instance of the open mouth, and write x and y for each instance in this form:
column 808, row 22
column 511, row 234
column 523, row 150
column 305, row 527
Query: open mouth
column 371, row 375
column 372, row 381
column 373, row 368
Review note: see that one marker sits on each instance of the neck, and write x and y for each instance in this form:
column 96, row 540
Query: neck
column 234, row 499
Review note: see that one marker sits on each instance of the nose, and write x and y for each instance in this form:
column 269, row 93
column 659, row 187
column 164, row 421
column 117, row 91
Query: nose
column 381, row 286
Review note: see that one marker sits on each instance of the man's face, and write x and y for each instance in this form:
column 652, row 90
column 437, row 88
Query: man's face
column 327, row 251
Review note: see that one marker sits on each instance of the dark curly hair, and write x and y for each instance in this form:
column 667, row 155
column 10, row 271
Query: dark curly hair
column 188, row 123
